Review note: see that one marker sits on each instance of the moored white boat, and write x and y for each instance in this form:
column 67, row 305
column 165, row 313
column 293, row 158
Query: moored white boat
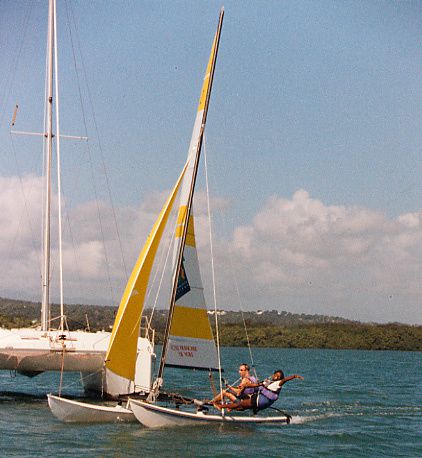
column 53, row 347
column 155, row 416
column 71, row 411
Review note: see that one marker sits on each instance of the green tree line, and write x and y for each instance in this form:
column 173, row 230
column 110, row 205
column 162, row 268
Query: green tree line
column 357, row 336
column 265, row 329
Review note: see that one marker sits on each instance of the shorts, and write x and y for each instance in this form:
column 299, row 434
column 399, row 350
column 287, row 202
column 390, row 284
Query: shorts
column 260, row 402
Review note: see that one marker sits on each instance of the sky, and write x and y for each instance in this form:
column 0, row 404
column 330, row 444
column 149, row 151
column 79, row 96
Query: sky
column 313, row 145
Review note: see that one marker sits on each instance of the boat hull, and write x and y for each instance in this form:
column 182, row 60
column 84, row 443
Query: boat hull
column 154, row 416
column 71, row 411
column 31, row 352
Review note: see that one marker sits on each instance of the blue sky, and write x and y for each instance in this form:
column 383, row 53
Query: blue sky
column 314, row 119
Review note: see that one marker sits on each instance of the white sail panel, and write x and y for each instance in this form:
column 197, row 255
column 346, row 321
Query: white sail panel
column 190, row 353
column 191, row 342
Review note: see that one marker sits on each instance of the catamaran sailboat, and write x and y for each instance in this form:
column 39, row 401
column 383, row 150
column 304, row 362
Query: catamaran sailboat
column 33, row 351
column 188, row 340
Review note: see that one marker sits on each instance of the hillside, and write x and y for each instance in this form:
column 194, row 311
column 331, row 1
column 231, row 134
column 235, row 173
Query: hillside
column 265, row 328
column 101, row 317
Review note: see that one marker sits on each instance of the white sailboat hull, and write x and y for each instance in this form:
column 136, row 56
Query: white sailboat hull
column 31, row 351
column 153, row 416
column 71, row 411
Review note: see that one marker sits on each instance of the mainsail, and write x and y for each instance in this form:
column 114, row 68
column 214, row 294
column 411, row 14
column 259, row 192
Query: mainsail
column 189, row 340
column 122, row 349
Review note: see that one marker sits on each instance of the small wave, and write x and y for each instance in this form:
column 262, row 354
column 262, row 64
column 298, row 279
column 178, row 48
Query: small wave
column 301, row 419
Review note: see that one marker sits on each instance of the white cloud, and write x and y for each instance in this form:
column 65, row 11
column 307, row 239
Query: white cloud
column 297, row 254
column 309, row 257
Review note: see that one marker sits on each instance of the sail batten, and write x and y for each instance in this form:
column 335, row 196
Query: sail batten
column 124, row 336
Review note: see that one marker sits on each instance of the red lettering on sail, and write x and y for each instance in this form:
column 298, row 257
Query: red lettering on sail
column 184, row 351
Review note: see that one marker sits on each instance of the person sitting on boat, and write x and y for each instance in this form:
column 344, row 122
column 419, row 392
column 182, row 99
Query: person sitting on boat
column 267, row 393
column 246, row 388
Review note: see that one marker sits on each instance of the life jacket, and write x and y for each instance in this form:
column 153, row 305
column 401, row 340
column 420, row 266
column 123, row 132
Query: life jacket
column 248, row 391
column 270, row 390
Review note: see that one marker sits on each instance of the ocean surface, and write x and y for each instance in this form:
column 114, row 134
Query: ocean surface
column 351, row 404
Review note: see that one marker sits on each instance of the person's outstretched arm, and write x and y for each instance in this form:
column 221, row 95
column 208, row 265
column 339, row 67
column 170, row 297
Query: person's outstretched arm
column 290, row 377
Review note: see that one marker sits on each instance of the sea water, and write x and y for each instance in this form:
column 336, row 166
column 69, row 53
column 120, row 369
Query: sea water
column 351, row 404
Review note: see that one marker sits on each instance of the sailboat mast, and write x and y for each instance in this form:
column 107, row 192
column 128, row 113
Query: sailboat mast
column 45, row 306
column 190, row 197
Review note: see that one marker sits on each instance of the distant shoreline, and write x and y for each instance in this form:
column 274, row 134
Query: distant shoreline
column 266, row 329
column 340, row 336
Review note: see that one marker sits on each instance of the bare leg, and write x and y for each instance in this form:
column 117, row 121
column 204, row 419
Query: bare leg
column 241, row 405
column 224, row 394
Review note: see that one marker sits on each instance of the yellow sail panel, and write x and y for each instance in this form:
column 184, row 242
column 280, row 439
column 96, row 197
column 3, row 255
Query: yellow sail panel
column 207, row 77
column 122, row 349
column 190, row 322
column 181, row 216
column 190, row 235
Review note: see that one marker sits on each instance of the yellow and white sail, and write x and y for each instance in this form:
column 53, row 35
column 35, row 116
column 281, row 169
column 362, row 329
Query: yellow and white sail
column 191, row 342
column 122, row 349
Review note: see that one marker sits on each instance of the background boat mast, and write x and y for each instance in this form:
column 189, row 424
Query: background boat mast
column 45, row 305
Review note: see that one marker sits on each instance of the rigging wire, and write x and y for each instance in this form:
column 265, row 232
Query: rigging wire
column 90, row 161
column 69, row 8
column 7, row 89
column 162, row 275
column 72, row 240
column 26, row 206
column 241, row 306
column 9, row 82
column 149, row 321
column 217, row 330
